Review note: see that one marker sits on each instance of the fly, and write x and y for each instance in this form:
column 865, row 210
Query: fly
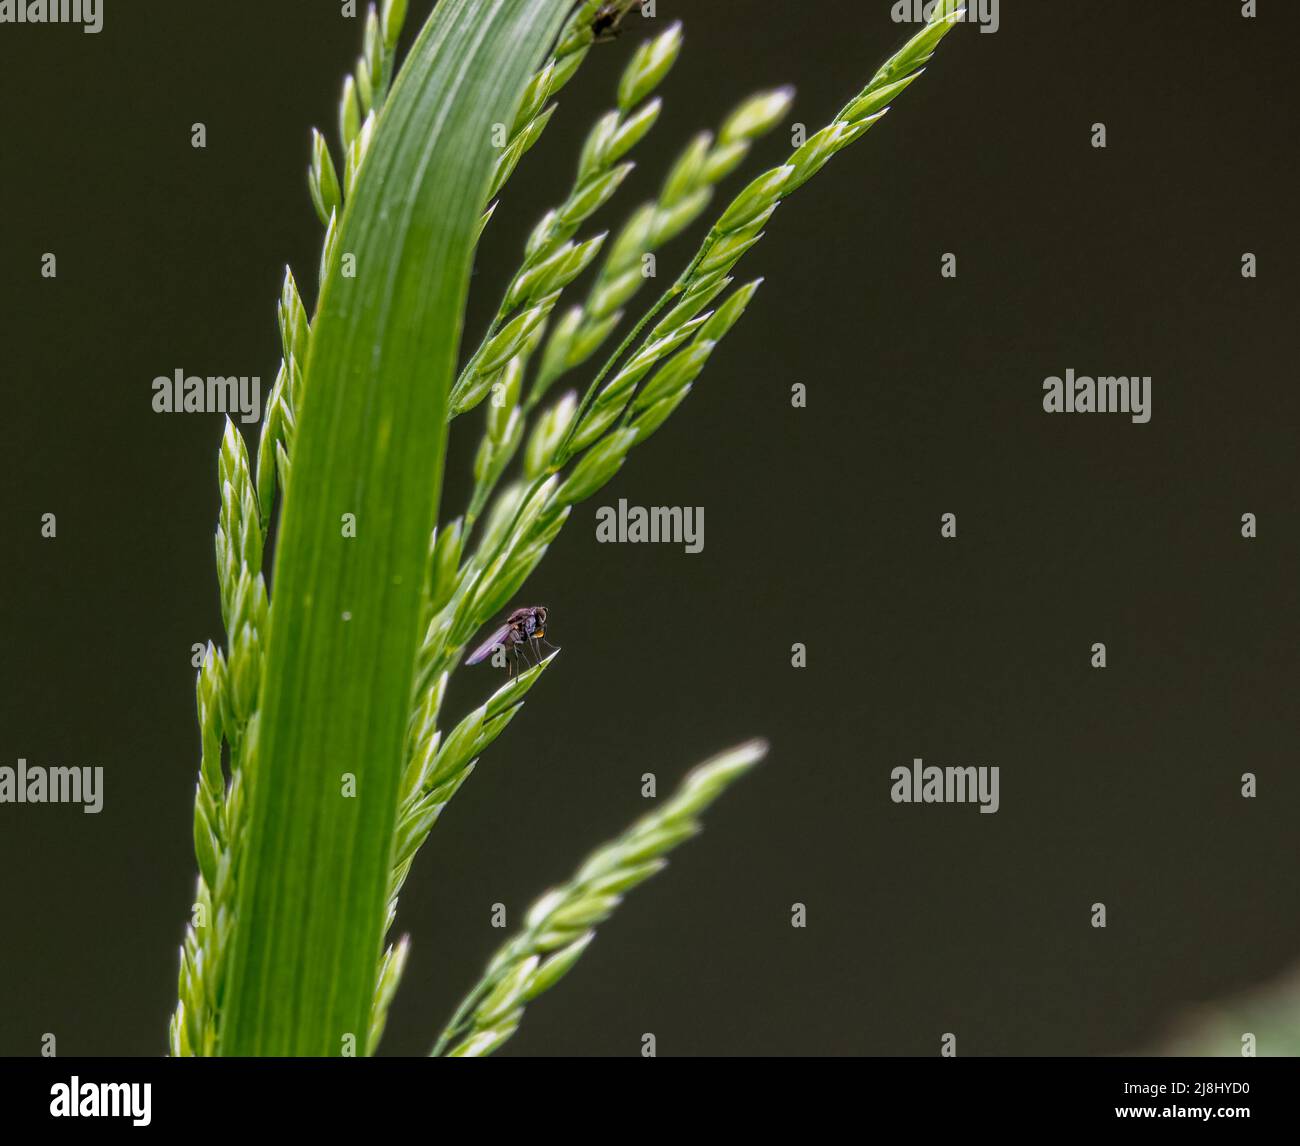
column 524, row 628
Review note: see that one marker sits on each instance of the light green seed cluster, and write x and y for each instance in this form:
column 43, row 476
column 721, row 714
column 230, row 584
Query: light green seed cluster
column 364, row 93
column 552, row 260
column 434, row 773
column 591, row 440
column 391, row 966
column 534, row 112
column 226, row 697
column 685, row 196
column 561, row 925
column 435, row 768
column 526, row 516
column 740, row 227
column 593, row 437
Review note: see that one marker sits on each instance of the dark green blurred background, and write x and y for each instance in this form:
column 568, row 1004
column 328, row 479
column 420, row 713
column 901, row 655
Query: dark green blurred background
column 822, row 526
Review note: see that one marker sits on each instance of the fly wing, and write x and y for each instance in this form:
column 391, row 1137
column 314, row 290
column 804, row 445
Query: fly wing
column 485, row 649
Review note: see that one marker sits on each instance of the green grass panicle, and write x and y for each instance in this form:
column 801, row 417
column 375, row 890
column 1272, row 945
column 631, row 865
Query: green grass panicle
column 325, row 762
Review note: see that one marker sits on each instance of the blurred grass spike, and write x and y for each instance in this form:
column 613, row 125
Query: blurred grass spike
column 560, row 926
